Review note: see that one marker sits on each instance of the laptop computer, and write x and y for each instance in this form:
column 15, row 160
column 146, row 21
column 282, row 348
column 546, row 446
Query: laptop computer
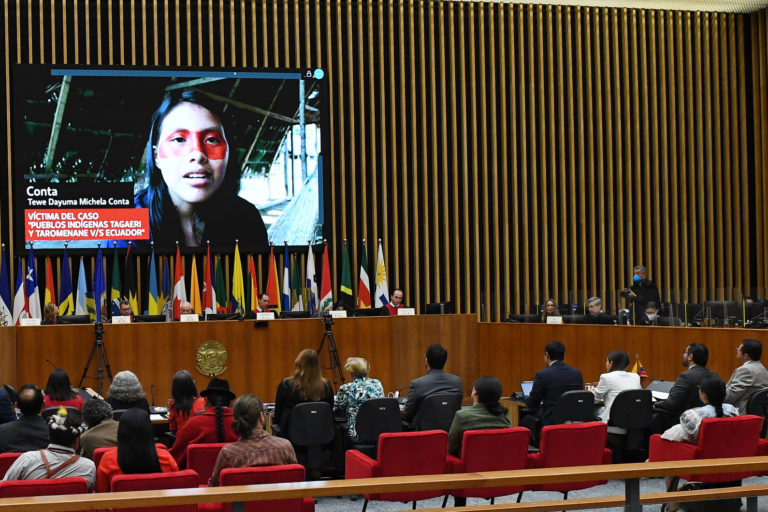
column 526, row 386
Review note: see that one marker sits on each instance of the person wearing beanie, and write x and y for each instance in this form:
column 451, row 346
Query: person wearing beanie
column 125, row 392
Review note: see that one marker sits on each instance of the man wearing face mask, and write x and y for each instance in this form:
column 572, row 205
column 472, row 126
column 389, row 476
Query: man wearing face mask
column 650, row 315
column 641, row 292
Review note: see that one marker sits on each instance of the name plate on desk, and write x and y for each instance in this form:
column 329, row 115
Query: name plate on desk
column 338, row 314
column 265, row 316
column 189, row 318
column 121, row 319
column 406, row 312
column 29, row 321
column 554, row 320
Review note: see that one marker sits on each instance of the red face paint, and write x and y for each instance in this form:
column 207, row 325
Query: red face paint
column 181, row 143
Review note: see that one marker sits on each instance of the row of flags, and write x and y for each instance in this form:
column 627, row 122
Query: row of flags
column 101, row 302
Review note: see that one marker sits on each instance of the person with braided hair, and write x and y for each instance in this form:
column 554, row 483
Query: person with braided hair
column 712, row 395
column 214, row 425
column 255, row 446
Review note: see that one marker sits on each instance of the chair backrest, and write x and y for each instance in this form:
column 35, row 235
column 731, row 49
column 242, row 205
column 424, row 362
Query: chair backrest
column 50, row 411
column 377, row 416
column 495, row 449
column 632, row 409
column 575, row 444
column 573, row 406
column 117, row 413
column 202, row 458
column 6, row 460
column 718, row 436
column 265, row 475
column 758, row 406
column 412, row 453
column 311, row 424
column 43, row 487
column 437, row 411
column 156, row 481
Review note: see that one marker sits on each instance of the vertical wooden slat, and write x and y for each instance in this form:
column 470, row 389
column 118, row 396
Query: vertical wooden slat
column 76, row 28
column 731, row 172
column 156, row 45
column 144, row 30
column 669, row 147
column 572, row 86
column 167, row 32
column 340, row 88
column 581, row 170
column 608, row 234
column 8, row 155
column 395, row 126
column 286, row 37
column 412, row 213
column 660, row 277
column 276, row 53
column 385, row 150
column 41, row 29
column 221, row 31
column 562, row 174
column 265, row 32
column 685, row 114
column 435, row 235
column 619, row 20
column 99, row 38
column 464, row 287
column 722, row 262
column 377, row 156
column 482, row 280
column 706, row 142
column 599, row 219
column 351, row 153
column 553, row 205
column 514, row 14
column 494, row 178
column 643, row 175
column 524, row 143
column 243, row 33
column 456, row 104
column 121, row 31
column 133, row 33
column 588, row 101
column 427, row 235
column 361, row 168
column 539, row 158
column 702, row 166
column 503, row 214
column 740, row 152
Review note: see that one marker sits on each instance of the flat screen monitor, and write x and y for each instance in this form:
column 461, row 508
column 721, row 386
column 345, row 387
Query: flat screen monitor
column 527, row 318
column 367, row 312
column 722, row 308
column 574, row 319
column 439, row 308
column 223, row 316
column 149, row 318
column 74, row 319
column 97, row 153
column 294, row 314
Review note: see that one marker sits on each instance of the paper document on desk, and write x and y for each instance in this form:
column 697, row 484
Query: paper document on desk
column 659, row 395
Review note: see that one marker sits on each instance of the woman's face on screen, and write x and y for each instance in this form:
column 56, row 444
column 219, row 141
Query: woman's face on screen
column 191, row 153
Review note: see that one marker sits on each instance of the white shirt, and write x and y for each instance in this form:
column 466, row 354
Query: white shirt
column 610, row 385
column 30, row 465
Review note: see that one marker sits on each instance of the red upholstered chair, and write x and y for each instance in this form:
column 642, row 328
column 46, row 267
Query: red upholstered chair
column 718, row 438
column 156, row 481
column 490, row 450
column 401, row 454
column 6, row 460
column 268, row 475
column 202, row 458
column 573, row 444
column 43, row 487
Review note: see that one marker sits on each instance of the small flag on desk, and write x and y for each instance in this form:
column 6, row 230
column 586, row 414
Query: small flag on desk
column 639, row 369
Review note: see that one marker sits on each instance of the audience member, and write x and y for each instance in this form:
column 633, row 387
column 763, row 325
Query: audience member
column 550, row 309
column 59, row 459
column 435, row 381
column 58, row 391
column 50, row 313
column 614, row 382
column 255, row 446
column 7, row 414
column 214, row 425
column 548, row 385
column 306, row 385
column 351, row 395
column 136, row 451
column 395, row 302
column 712, row 396
column 185, row 401
column 125, row 392
column 748, row 378
column 102, row 429
column 684, row 394
column 30, row 431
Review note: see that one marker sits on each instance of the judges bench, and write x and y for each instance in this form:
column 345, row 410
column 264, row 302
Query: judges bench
column 260, row 354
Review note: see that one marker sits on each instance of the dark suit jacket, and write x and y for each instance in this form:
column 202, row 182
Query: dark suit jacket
column 549, row 384
column 26, row 434
column 6, row 408
column 436, row 381
column 684, row 394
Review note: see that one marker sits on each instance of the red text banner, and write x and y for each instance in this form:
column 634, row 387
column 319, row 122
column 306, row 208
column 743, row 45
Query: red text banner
column 82, row 224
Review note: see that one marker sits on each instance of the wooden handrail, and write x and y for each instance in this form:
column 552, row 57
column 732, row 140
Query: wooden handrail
column 634, row 471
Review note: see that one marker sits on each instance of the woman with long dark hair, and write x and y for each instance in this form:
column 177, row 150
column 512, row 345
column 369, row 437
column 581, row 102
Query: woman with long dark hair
column 136, row 452
column 58, row 391
column 194, row 179
column 185, row 402
column 616, row 380
column 486, row 413
column 712, row 395
column 306, row 385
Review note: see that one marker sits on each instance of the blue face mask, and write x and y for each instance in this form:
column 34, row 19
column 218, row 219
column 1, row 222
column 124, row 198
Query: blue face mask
column 636, row 278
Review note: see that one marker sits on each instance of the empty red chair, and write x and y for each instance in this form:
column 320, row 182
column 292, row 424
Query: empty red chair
column 490, row 450
column 6, row 461
column 401, row 454
column 202, row 458
column 43, row 487
column 156, row 481
column 736, row 436
column 268, row 475
column 573, row 444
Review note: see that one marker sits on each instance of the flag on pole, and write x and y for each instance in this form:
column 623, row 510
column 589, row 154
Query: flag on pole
column 19, row 301
column 6, row 307
column 209, row 290
column 326, row 290
column 638, row 368
column 363, row 286
column 131, row 288
column 154, row 307
column 238, row 288
column 81, row 307
column 194, row 290
column 115, row 294
column 50, row 291
column 221, row 289
column 382, row 289
column 286, row 280
column 297, row 298
column 179, row 291
column 252, row 290
column 99, row 287
column 165, row 295
column 312, row 299
column 272, row 284
column 66, row 297
column 345, row 290
column 32, row 291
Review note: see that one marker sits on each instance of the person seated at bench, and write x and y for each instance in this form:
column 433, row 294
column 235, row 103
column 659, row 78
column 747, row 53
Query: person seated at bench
column 352, row 394
column 58, row 391
column 616, row 380
column 712, row 395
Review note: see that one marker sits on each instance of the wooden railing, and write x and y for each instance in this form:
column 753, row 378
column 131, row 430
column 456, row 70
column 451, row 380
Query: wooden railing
column 630, row 473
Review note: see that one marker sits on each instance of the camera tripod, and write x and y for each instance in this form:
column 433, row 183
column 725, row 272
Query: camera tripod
column 102, row 361
column 333, row 355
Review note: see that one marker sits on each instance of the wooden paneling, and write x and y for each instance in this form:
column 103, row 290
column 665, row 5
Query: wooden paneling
column 503, row 153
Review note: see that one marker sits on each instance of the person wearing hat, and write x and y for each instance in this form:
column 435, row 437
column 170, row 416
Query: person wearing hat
column 214, row 425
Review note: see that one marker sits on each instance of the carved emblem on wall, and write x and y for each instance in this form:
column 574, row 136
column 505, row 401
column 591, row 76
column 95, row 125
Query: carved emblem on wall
column 211, row 359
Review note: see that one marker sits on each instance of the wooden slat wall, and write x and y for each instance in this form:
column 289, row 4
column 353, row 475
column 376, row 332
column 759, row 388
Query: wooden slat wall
column 502, row 153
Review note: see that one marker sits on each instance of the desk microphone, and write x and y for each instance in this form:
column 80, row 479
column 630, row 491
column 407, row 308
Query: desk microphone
column 50, row 363
column 152, row 393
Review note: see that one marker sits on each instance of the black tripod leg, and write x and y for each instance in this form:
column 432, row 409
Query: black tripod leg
column 87, row 365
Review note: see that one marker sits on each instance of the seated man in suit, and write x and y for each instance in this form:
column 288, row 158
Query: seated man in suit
column 747, row 378
column 30, row 431
column 684, row 394
column 548, row 385
column 595, row 314
column 435, row 381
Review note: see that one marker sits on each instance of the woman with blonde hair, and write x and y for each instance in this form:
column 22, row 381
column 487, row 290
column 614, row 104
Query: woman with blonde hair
column 353, row 394
column 306, row 385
